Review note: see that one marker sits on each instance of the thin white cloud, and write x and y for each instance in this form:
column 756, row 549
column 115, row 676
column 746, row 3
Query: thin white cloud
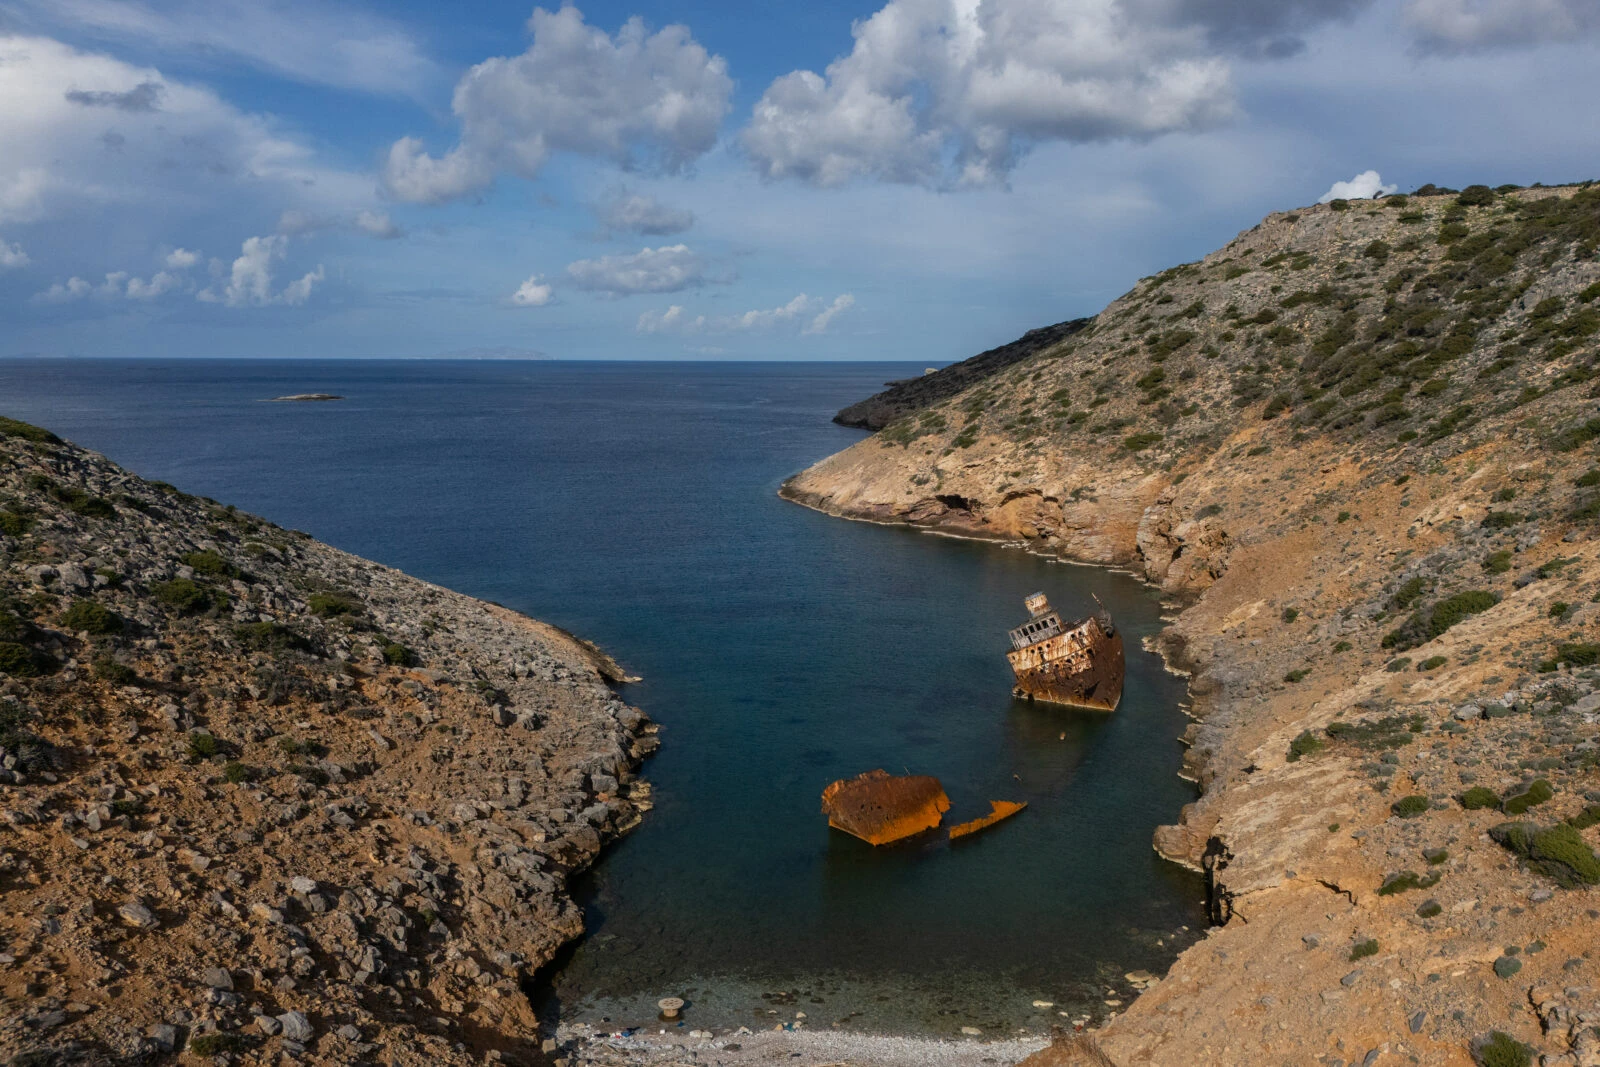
column 182, row 259
column 188, row 151
column 667, row 269
column 1363, row 186
column 1454, row 26
column 249, row 280
column 318, row 42
column 12, row 255
column 841, row 303
column 377, row 224
column 623, row 212
column 943, row 92
column 533, row 293
column 807, row 314
column 635, row 99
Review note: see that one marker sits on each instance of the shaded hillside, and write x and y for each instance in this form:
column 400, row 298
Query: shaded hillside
column 913, row 394
column 1358, row 447
column 263, row 798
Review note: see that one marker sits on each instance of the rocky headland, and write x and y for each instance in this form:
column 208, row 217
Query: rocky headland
column 1357, row 449
column 260, row 798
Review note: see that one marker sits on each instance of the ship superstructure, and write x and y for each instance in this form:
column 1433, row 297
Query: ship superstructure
column 1079, row 663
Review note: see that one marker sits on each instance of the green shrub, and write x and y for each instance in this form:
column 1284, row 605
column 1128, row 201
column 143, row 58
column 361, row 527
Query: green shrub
column 1476, row 196
column 183, row 595
column 1576, row 436
column 1296, row 675
column 397, row 654
column 15, row 524
column 1424, row 627
column 1291, row 614
column 217, row 1044
column 237, row 773
column 202, row 746
column 20, row 661
column 1429, row 908
column 270, row 637
column 1343, row 646
column 1432, row 663
column 1410, row 807
column 1398, row 664
column 1339, row 205
column 114, row 673
column 1306, row 744
column 1578, row 654
column 210, row 564
column 1557, row 852
column 1363, row 949
column 1501, row 1050
column 93, row 617
column 1558, row 609
column 1435, row 856
column 1408, row 594
column 1586, row 818
column 27, row 432
column 1500, row 520
column 1537, row 792
column 1497, row 562
column 1378, row 250
column 1406, row 881
column 1479, row 797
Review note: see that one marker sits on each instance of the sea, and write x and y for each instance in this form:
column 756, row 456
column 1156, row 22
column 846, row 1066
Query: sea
column 780, row 649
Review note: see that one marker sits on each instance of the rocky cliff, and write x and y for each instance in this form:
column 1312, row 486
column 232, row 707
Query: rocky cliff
column 1357, row 447
column 259, row 797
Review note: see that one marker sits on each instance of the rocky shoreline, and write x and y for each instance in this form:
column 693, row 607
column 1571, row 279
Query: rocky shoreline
column 1388, row 612
column 262, row 798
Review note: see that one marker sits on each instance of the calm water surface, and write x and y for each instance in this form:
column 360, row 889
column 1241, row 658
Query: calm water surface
column 780, row 649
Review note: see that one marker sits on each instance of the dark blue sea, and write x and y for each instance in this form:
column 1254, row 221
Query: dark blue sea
column 635, row 504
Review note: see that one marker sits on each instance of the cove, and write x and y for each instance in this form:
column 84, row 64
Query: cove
column 635, row 504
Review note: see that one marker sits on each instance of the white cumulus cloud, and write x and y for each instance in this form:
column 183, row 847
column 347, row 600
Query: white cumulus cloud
column 946, row 92
column 377, row 224
column 825, row 317
column 667, row 269
column 624, row 212
column 117, row 285
column 249, row 281
column 1452, row 26
column 12, row 255
column 636, row 98
column 533, row 293
column 182, row 259
column 1363, row 186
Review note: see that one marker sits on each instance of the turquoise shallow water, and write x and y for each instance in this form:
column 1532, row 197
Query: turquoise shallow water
column 780, row 649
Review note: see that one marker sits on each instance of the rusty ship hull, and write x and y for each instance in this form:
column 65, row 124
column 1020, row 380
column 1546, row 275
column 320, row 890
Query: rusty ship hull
column 1079, row 665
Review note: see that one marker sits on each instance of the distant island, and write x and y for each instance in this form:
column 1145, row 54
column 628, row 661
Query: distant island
column 305, row 397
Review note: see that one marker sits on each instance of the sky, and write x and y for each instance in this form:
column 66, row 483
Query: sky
column 691, row 179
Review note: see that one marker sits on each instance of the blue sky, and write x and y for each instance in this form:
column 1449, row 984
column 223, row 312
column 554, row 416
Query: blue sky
column 911, row 179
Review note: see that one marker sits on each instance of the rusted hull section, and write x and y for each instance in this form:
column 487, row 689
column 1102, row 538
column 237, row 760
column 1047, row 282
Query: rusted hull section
column 880, row 808
column 998, row 810
column 1090, row 679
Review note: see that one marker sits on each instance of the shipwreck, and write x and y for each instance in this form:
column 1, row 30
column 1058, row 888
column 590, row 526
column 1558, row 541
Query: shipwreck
column 1080, row 665
column 881, row 808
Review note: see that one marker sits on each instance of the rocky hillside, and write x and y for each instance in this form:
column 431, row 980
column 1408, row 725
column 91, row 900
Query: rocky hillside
column 1357, row 446
column 902, row 398
column 261, row 798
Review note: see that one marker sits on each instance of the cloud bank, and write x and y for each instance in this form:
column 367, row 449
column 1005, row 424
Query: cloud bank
column 809, row 314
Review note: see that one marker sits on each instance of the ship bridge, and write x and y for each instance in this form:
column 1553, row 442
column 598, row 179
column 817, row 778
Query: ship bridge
column 1045, row 623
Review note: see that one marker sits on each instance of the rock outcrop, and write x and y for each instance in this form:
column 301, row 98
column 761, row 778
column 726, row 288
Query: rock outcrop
column 259, row 797
column 1356, row 447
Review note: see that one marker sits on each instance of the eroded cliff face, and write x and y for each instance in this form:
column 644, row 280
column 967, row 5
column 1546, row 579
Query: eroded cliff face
column 262, row 798
column 1355, row 446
